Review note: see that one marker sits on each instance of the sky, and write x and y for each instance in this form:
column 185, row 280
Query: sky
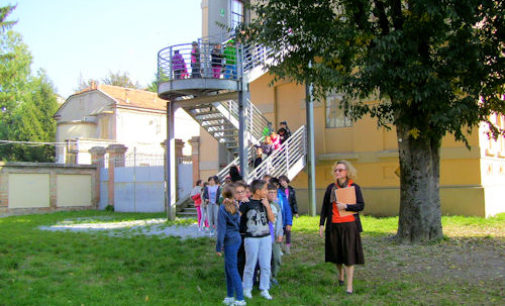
column 89, row 38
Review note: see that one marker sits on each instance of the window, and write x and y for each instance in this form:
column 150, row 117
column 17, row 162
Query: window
column 335, row 117
column 237, row 13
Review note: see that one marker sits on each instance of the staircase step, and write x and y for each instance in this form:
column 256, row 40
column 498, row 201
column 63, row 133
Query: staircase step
column 191, row 108
column 202, row 120
column 226, row 124
column 227, row 130
column 206, row 113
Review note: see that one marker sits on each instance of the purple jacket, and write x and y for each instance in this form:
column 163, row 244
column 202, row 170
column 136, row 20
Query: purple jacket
column 178, row 63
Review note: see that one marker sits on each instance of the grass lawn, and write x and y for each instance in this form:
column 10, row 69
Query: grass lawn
column 68, row 268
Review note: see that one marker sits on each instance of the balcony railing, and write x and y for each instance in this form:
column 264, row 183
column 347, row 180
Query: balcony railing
column 216, row 57
column 199, row 60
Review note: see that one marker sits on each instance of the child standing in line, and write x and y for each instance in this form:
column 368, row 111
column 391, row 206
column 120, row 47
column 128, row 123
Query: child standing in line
column 211, row 197
column 287, row 216
column 229, row 240
column 290, row 194
column 276, row 233
column 204, row 225
column 196, row 196
column 258, row 243
column 241, row 198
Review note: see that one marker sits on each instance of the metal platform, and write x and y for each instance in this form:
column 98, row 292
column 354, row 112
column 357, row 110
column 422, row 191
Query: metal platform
column 171, row 89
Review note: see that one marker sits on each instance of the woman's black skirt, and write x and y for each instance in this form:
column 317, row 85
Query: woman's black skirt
column 343, row 244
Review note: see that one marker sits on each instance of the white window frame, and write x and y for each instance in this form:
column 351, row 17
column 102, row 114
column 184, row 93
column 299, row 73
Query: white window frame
column 334, row 115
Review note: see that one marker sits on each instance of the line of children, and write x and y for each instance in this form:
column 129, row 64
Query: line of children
column 265, row 218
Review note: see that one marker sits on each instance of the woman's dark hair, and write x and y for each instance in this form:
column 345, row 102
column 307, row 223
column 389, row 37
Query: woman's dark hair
column 284, row 178
column 235, row 174
column 212, row 178
column 198, row 182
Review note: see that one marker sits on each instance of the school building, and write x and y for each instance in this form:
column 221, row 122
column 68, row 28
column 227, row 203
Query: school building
column 472, row 181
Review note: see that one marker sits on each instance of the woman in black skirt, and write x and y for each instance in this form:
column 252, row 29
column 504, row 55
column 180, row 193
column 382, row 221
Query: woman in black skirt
column 342, row 234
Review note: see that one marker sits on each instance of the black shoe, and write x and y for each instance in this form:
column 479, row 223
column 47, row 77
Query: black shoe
column 340, row 282
column 348, row 292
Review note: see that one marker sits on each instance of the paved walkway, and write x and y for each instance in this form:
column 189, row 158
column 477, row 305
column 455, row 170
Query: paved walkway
column 148, row 227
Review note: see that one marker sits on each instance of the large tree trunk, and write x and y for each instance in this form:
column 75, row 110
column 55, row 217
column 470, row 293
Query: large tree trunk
column 420, row 216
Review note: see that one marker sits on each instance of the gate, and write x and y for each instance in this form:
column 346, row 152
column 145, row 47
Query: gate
column 139, row 184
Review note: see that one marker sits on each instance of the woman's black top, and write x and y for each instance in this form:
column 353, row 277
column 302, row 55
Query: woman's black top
column 327, row 209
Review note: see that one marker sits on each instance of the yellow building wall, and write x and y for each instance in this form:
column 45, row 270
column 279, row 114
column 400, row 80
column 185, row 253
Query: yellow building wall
column 493, row 168
column 28, row 190
column 73, row 190
column 373, row 151
column 209, row 154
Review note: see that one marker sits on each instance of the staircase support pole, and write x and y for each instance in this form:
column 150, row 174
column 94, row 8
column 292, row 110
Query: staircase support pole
column 242, row 106
column 311, row 165
column 170, row 177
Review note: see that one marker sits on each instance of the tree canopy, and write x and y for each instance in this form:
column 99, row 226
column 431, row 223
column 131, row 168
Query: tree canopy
column 120, row 79
column 27, row 102
column 430, row 68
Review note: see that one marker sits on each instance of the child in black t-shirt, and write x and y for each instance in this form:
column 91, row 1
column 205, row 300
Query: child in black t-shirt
column 257, row 243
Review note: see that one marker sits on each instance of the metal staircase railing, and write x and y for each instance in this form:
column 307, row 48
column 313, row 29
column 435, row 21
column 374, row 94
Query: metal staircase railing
column 288, row 160
column 255, row 120
column 251, row 154
column 221, row 118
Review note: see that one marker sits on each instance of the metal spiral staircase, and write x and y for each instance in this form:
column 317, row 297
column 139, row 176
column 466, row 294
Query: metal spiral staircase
column 210, row 94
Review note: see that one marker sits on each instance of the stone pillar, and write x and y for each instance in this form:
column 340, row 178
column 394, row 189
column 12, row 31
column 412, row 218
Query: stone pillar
column 53, row 190
column 4, row 189
column 179, row 145
column 97, row 159
column 98, row 156
column 116, row 159
column 195, row 157
column 71, row 152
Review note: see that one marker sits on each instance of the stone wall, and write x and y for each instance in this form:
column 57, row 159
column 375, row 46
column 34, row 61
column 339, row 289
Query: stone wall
column 45, row 187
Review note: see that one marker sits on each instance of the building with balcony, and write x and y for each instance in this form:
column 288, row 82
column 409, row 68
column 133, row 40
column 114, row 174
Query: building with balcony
column 472, row 181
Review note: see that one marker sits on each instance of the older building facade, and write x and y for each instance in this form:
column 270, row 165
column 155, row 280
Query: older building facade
column 104, row 114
